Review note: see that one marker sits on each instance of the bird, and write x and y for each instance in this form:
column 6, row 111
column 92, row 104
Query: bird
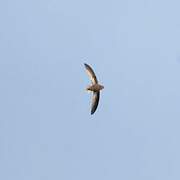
column 95, row 88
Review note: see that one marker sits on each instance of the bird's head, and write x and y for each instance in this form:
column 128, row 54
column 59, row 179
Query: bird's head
column 88, row 88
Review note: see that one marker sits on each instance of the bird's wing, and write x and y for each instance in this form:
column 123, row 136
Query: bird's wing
column 95, row 101
column 91, row 74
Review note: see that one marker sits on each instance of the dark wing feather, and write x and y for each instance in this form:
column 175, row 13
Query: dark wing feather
column 91, row 74
column 95, row 101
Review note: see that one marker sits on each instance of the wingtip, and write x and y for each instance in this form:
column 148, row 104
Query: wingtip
column 86, row 65
column 92, row 112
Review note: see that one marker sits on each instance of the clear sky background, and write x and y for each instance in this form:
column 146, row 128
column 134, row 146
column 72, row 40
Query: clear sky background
column 46, row 130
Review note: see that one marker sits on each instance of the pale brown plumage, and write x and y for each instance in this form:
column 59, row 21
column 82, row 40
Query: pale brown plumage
column 95, row 88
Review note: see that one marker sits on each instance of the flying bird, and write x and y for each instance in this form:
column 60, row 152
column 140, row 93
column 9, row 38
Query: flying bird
column 95, row 88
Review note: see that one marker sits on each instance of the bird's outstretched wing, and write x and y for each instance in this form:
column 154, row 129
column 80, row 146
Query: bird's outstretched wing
column 95, row 101
column 91, row 74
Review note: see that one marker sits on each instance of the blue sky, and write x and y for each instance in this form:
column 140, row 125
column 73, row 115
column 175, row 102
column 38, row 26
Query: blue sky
column 46, row 130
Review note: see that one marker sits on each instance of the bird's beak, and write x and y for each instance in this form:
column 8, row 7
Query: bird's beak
column 87, row 89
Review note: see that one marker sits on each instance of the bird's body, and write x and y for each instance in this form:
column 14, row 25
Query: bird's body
column 95, row 88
